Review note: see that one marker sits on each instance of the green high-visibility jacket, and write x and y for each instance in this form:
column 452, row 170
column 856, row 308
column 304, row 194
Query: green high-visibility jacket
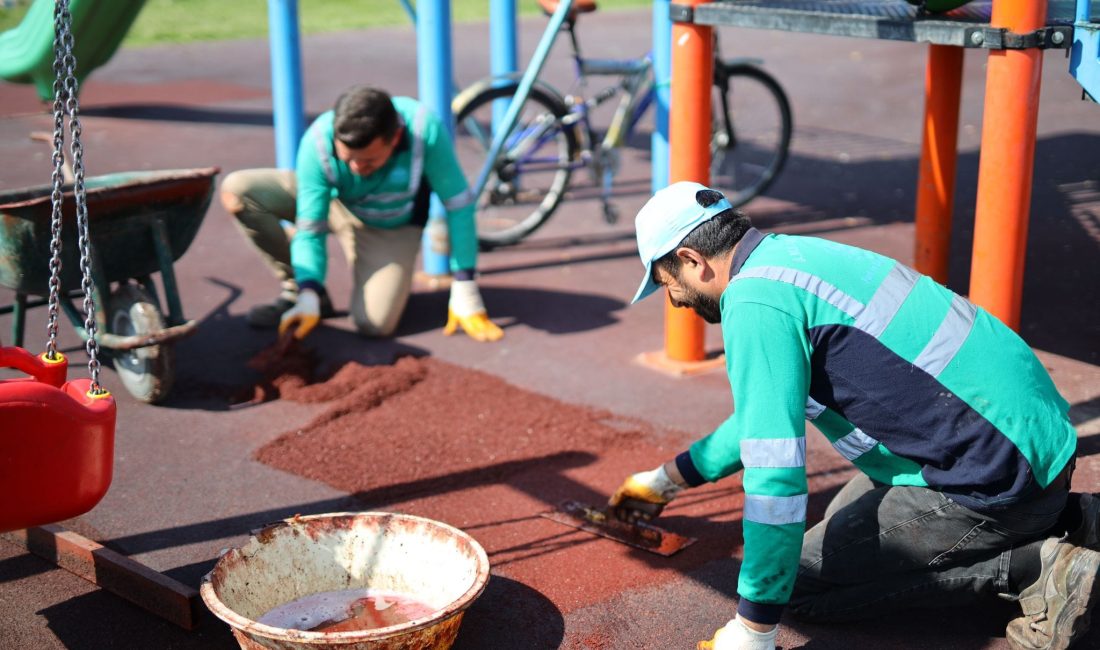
column 383, row 199
column 912, row 383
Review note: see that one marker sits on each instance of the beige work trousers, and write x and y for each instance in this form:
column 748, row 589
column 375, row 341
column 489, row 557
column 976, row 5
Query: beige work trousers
column 381, row 260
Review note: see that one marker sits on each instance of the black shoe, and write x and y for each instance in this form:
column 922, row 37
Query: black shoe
column 267, row 316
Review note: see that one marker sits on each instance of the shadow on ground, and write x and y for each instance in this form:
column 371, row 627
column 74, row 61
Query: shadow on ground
column 509, row 614
column 97, row 619
column 554, row 312
column 212, row 364
column 193, row 114
column 381, row 497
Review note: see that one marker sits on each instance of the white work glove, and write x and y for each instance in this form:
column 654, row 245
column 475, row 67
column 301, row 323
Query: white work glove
column 466, row 310
column 644, row 495
column 303, row 316
column 737, row 636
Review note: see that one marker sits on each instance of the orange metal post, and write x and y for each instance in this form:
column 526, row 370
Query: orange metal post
column 1007, row 161
column 939, row 151
column 689, row 132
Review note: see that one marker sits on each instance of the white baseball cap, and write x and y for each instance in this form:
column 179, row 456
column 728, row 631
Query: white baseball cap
column 666, row 219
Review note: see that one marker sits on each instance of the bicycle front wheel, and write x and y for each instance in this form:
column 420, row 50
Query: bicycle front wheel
column 752, row 131
column 527, row 181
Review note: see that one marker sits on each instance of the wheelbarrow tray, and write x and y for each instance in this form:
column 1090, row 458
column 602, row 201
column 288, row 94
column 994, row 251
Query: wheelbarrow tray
column 122, row 208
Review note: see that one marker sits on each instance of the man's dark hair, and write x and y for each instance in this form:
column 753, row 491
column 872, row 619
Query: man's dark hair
column 713, row 237
column 363, row 114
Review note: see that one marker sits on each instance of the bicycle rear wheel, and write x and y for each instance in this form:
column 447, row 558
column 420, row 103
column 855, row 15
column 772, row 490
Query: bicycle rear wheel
column 529, row 177
column 752, row 131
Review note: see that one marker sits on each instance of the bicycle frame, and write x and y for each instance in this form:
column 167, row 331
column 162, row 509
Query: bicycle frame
column 531, row 162
column 633, row 71
column 639, row 91
column 508, row 122
column 635, row 75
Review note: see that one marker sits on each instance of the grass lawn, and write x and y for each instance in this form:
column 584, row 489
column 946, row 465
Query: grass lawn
column 184, row 21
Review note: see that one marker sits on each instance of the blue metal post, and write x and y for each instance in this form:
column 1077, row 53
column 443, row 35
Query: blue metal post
column 502, row 46
column 1084, row 61
column 662, row 73
column 286, row 80
column 433, row 65
column 525, row 83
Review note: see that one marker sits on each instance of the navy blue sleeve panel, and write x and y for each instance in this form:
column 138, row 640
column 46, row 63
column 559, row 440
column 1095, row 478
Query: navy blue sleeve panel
column 762, row 613
column 887, row 397
column 688, row 470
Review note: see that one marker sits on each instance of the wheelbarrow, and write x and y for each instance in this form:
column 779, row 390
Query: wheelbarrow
column 140, row 223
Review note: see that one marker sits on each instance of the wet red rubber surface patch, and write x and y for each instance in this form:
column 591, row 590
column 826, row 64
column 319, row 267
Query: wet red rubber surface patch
column 430, row 438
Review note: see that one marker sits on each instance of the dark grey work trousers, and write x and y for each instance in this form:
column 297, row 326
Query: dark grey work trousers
column 883, row 548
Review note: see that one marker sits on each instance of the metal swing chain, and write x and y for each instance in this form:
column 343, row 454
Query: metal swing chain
column 65, row 101
column 56, row 197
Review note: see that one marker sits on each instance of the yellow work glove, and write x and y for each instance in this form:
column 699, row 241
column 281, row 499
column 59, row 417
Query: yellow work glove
column 466, row 310
column 737, row 636
column 303, row 316
column 644, row 495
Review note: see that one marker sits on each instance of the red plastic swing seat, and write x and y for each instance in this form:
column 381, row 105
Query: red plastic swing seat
column 56, row 443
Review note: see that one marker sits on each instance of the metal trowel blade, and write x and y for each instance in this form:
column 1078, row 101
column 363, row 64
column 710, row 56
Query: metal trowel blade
column 599, row 522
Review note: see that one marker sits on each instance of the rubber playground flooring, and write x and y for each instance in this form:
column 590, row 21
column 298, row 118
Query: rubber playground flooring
column 195, row 475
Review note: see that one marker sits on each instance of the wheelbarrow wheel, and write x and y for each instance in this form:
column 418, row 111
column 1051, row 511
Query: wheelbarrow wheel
column 147, row 373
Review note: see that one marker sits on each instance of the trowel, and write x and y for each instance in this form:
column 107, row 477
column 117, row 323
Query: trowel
column 599, row 521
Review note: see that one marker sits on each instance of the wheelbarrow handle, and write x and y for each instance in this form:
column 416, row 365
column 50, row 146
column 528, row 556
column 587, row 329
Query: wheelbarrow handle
column 40, row 367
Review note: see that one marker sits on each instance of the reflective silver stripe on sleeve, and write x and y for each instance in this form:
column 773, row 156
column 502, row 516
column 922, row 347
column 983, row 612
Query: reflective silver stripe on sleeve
column 775, row 510
column 949, row 337
column 458, row 201
column 324, row 156
column 774, row 452
column 312, row 225
column 813, row 408
column 855, row 444
column 889, row 296
column 809, row 282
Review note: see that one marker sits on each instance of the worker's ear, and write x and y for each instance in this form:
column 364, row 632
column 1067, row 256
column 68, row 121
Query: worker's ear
column 397, row 136
column 693, row 264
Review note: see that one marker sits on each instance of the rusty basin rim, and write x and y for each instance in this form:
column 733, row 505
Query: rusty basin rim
column 249, row 626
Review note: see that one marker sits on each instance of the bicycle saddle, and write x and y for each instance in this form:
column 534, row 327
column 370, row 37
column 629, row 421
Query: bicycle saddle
column 579, row 7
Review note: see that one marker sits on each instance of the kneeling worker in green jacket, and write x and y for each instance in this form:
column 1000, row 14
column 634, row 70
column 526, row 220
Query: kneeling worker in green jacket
column 365, row 171
column 964, row 447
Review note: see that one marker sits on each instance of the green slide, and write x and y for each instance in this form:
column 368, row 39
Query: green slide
column 26, row 51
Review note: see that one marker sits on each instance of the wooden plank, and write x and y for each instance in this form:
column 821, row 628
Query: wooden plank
column 112, row 571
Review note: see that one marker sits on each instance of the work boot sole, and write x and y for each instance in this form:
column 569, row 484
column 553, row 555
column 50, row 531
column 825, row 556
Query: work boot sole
column 1081, row 591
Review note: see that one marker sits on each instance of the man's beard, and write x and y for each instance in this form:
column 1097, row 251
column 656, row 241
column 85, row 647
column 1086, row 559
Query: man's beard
column 702, row 304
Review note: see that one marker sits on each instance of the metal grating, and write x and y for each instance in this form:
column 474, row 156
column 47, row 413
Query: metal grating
column 880, row 19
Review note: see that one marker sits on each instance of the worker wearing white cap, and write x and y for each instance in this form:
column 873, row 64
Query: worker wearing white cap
column 964, row 446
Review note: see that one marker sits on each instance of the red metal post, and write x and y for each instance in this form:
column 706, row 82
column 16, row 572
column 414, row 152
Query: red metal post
column 1007, row 162
column 689, row 133
column 939, row 151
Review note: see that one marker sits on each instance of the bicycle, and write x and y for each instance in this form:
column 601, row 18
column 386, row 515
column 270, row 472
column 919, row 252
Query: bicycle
column 553, row 136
